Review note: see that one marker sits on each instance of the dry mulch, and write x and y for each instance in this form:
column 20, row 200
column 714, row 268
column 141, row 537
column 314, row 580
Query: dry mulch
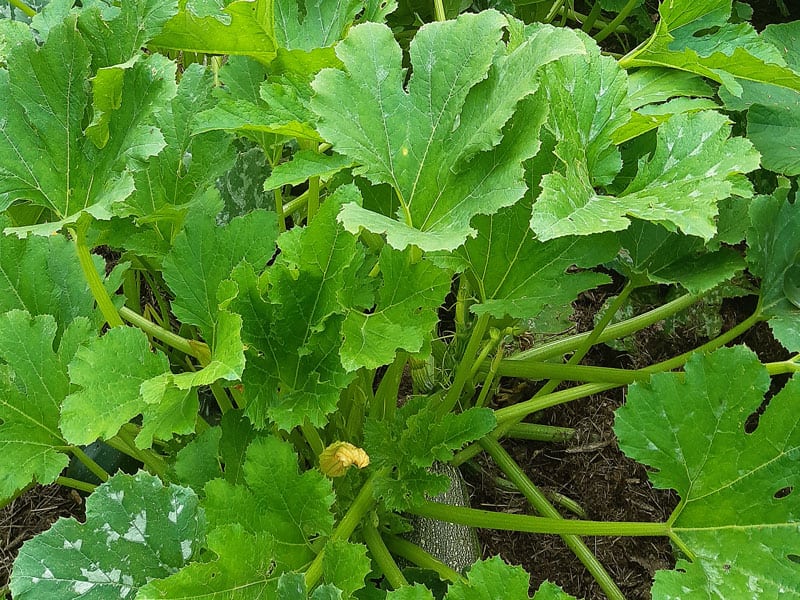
column 30, row 514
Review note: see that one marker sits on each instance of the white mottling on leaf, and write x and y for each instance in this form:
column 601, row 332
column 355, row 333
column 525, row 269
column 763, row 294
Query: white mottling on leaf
column 137, row 529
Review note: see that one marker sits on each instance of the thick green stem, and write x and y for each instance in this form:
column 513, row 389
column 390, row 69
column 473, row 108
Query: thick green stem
column 96, row 286
column 540, row 503
column 124, row 442
column 465, row 366
column 540, row 433
column 569, row 372
column 485, row 519
column 554, row 10
column 488, row 383
column 511, row 415
column 438, row 10
column 588, row 23
column 313, row 198
column 221, row 396
column 385, row 402
column 717, row 342
column 381, row 555
column 312, row 437
column 29, row 12
column 612, row 26
column 76, row 484
column 279, row 209
column 416, row 555
column 355, row 514
column 199, row 350
column 90, row 464
column 612, row 332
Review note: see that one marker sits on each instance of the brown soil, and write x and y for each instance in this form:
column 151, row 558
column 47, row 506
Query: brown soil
column 29, row 515
column 591, row 469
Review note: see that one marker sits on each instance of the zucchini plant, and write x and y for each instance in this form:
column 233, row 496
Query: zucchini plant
column 305, row 210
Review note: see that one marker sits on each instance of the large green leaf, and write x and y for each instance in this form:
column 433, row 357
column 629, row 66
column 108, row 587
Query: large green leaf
column 484, row 579
column 260, row 528
column 109, row 373
column 33, row 384
column 773, row 112
column 516, row 275
column 774, row 255
column 404, row 316
column 696, row 37
column 243, row 27
column 42, row 276
column 740, row 511
column 45, row 158
column 136, row 530
column 293, row 370
column 652, row 254
column 186, row 167
column 695, row 165
column 322, row 23
column 447, row 142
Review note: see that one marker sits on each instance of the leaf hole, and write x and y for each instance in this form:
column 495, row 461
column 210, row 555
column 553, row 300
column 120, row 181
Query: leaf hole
column 751, row 423
column 783, row 492
column 708, row 31
column 794, row 558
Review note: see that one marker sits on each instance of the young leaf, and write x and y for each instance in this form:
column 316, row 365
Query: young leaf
column 33, row 384
column 516, row 275
column 404, row 316
column 262, row 108
column 41, row 276
column 774, row 253
column 136, row 530
column 693, row 431
column 345, row 565
column 45, row 158
column 197, row 462
column 446, row 144
column 696, row 37
column 412, row 441
column 484, row 579
column 306, row 164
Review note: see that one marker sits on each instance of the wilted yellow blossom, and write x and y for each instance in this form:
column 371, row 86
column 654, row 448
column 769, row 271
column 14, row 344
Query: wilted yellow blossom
column 340, row 456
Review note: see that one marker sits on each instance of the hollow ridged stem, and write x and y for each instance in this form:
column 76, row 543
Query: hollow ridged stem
column 191, row 347
column 540, row 433
column 381, row 555
column 611, row 332
column 355, row 514
column 76, row 484
column 540, row 503
column 465, row 366
column 89, row 463
column 612, row 26
column 421, row 558
column 96, row 286
column 485, row 519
